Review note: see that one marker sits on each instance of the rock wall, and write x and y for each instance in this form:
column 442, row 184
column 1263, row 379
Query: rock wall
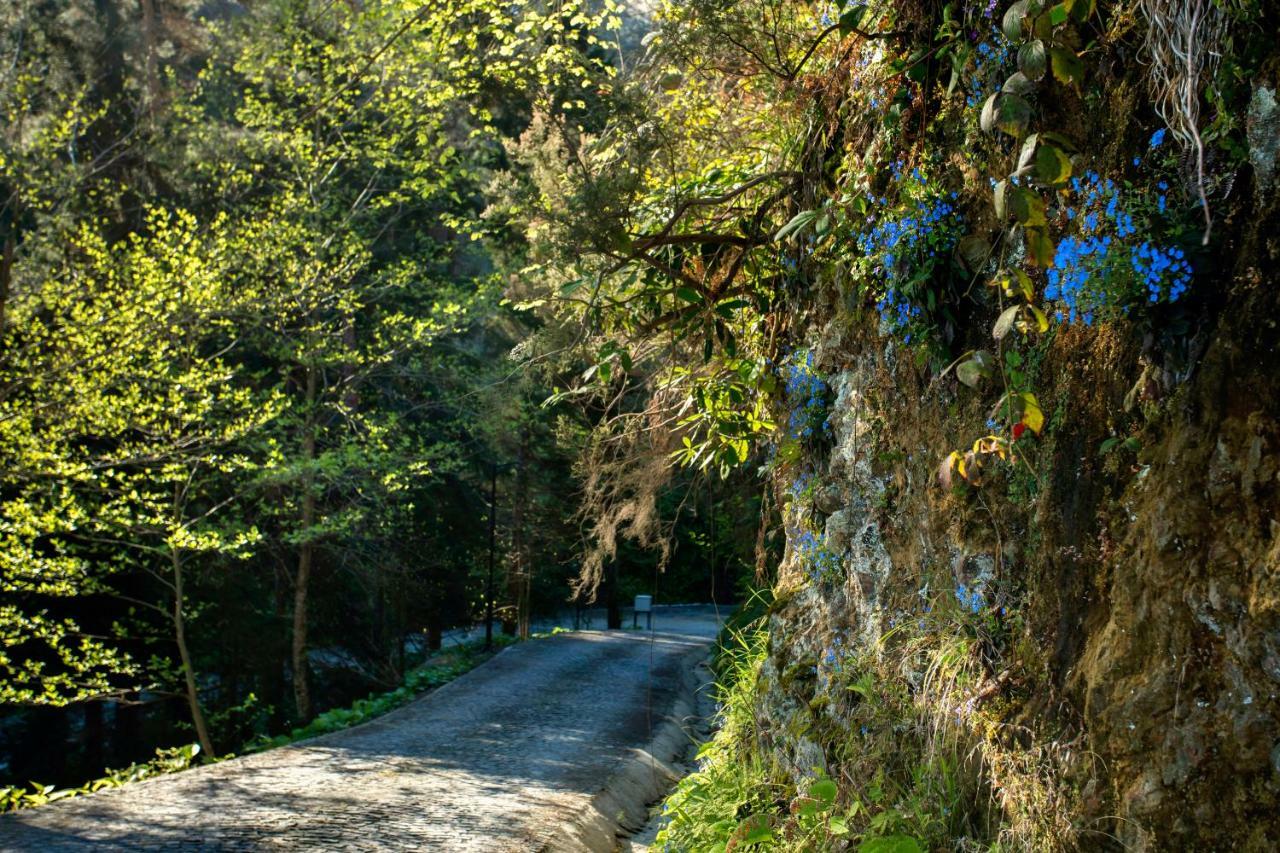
column 1095, row 635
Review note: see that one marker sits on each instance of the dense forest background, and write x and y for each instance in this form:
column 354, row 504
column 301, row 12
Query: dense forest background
column 255, row 388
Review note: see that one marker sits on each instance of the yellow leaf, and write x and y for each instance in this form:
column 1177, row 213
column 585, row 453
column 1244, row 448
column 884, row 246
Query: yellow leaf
column 1032, row 415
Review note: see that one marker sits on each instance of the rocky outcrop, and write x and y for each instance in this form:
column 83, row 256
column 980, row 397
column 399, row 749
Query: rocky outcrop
column 1118, row 612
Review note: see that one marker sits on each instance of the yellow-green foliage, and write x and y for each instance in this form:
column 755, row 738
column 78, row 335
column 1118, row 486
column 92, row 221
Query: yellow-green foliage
column 916, row 761
column 217, row 307
column 14, row 798
column 705, row 810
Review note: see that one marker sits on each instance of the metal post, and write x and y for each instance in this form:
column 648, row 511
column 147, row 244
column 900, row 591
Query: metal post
column 493, row 533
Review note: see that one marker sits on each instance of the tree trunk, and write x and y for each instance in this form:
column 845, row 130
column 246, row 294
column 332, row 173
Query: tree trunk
column 435, row 629
column 184, row 653
column 612, row 606
column 94, row 739
column 6, row 272
column 306, row 552
column 522, row 571
column 150, row 37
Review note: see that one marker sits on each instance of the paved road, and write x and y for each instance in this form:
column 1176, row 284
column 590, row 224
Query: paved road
column 500, row 759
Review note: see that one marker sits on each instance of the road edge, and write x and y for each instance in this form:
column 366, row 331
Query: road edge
column 645, row 776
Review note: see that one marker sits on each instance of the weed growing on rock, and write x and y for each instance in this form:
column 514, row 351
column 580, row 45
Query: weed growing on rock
column 819, row 562
column 905, row 237
column 806, row 394
column 1102, row 266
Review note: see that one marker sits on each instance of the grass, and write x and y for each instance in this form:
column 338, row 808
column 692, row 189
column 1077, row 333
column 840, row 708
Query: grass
column 704, row 809
column 916, row 753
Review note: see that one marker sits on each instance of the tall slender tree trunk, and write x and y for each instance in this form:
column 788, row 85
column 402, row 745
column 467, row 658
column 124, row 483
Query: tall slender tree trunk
column 435, row 627
column 520, row 551
column 306, row 554
column 150, row 38
column 6, row 271
column 184, row 654
column 95, row 737
column 613, row 606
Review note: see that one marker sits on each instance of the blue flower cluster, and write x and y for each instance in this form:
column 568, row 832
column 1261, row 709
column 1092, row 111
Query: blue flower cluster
column 905, row 239
column 1074, row 262
column 818, row 560
column 898, row 311
column 800, row 485
column 971, row 599
column 807, row 397
column 1094, row 268
column 991, row 59
column 834, row 659
column 1164, row 272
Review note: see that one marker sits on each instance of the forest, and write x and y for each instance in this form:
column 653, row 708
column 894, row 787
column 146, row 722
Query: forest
column 258, row 304
column 939, row 334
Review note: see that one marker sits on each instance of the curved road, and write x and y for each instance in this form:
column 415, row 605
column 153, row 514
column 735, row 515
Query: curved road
column 504, row 758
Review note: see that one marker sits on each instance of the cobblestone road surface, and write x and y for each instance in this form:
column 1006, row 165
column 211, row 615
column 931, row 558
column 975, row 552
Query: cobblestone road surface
column 494, row 761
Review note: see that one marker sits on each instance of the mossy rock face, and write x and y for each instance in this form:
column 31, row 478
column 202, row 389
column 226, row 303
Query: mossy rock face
column 1130, row 681
column 798, row 677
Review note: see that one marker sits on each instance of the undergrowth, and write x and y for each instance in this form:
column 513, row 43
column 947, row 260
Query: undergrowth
column 416, row 682
column 703, row 812
column 915, row 754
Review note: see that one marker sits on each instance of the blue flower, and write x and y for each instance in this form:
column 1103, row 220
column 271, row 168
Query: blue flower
column 1157, row 138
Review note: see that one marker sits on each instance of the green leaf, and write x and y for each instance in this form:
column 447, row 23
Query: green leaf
column 999, row 195
column 851, row 18
column 1067, row 67
column 1059, row 140
column 1013, row 113
column 726, row 308
column 754, row 829
column 1033, row 59
column 1027, row 207
column 824, row 790
column 976, row 369
column 1052, row 166
column 890, row 844
column 688, row 294
column 1024, row 285
column 987, row 120
column 1080, row 10
column 1058, row 14
column 799, row 221
column 1012, row 21
column 1027, row 154
column 1018, row 84
column 917, row 68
